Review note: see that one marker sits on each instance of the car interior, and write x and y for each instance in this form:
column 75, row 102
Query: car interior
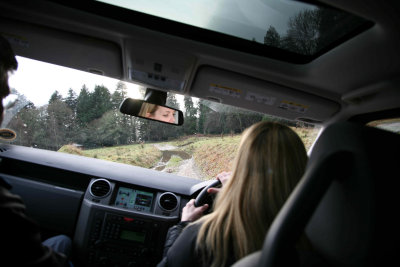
column 341, row 77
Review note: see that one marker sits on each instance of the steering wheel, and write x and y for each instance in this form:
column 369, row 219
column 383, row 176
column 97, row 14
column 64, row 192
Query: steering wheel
column 204, row 196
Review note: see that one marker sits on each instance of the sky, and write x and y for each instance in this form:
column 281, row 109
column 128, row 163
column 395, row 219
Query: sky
column 37, row 81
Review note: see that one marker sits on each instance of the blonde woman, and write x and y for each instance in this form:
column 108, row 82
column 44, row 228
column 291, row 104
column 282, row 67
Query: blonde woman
column 270, row 161
column 156, row 112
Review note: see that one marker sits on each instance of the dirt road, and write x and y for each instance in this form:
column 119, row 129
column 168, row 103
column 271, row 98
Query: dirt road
column 186, row 167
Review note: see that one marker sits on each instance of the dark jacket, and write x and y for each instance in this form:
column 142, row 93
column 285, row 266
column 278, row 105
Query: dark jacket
column 20, row 236
column 180, row 247
column 180, row 251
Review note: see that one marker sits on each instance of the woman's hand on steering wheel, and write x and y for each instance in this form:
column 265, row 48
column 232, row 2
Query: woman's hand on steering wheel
column 192, row 213
column 223, row 177
column 212, row 188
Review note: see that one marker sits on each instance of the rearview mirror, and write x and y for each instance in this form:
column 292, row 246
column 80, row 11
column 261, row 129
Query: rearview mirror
column 142, row 109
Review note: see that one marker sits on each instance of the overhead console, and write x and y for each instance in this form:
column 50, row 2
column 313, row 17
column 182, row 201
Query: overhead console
column 157, row 66
column 123, row 224
column 247, row 92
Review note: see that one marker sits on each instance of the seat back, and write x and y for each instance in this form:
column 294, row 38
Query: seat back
column 346, row 202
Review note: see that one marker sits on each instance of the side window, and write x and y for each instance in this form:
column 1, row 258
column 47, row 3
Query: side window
column 392, row 125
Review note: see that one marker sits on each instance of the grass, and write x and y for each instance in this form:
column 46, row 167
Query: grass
column 71, row 149
column 174, row 162
column 143, row 156
column 307, row 135
column 212, row 154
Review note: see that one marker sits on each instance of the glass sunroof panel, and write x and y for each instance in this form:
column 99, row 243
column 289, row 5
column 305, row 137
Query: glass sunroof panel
column 291, row 25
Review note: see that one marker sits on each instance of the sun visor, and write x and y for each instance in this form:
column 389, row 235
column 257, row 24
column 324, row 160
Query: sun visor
column 64, row 48
column 254, row 94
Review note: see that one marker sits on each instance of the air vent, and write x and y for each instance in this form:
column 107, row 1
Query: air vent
column 2, row 149
column 168, row 201
column 100, row 188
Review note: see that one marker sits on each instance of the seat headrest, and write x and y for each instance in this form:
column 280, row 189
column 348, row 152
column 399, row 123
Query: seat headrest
column 355, row 223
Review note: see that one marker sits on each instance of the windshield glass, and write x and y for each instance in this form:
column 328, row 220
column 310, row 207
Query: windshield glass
column 298, row 27
column 70, row 111
column 391, row 125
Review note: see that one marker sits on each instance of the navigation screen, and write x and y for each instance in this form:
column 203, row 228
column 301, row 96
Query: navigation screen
column 133, row 199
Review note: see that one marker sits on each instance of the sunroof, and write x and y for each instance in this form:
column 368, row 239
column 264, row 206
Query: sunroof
column 297, row 27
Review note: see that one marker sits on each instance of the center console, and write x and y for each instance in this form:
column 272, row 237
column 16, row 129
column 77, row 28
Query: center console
column 121, row 225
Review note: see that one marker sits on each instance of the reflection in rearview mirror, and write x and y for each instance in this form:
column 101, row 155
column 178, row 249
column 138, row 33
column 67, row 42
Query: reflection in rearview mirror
column 159, row 113
column 146, row 110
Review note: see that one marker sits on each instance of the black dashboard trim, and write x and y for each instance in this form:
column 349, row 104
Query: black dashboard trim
column 45, row 160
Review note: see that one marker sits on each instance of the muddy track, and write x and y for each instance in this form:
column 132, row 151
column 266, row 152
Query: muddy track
column 166, row 156
column 187, row 167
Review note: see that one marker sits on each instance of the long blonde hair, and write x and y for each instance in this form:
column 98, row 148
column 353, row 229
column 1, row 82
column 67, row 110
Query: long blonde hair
column 270, row 161
column 147, row 108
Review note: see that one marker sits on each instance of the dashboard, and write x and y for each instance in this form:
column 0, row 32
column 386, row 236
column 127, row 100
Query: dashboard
column 124, row 224
column 116, row 215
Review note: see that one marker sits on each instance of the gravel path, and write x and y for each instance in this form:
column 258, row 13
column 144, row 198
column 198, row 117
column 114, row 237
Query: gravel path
column 165, row 147
column 187, row 167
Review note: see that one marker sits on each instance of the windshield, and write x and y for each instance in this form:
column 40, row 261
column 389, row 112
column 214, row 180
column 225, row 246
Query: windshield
column 70, row 111
column 391, row 125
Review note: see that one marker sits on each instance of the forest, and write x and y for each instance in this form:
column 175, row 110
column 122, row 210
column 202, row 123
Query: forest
column 92, row 120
